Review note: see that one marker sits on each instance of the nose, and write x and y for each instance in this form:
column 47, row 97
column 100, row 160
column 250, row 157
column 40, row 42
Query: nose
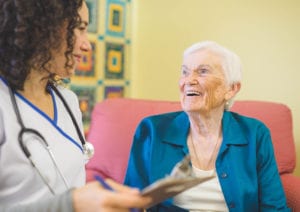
column 86, row 45
column 188, row 80
column 191, row 79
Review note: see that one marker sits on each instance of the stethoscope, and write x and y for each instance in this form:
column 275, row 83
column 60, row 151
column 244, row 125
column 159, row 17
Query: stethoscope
column 88, row 149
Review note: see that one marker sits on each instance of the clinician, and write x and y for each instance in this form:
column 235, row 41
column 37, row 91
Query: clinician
column 42, row 149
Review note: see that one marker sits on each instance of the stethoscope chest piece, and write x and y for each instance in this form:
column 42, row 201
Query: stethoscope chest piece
column 88, row 150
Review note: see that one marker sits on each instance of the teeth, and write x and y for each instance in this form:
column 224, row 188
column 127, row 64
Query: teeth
column 193, row 93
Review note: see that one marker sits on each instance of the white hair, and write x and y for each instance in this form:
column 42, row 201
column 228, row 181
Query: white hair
column 231, row 63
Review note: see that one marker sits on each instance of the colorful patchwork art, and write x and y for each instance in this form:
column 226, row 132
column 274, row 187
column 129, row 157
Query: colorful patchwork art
column 115, row 20
column 102, row 72
column 93, row 17
column 114, row 61
column 86, row 67
column 114, row 92
column 86, row 96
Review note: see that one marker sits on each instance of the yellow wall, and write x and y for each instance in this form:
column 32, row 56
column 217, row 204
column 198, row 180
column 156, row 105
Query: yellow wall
column 265, row 34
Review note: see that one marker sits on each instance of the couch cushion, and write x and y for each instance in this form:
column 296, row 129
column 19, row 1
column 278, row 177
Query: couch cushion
column 278, row 119
column 114, row 121
column 111, row 131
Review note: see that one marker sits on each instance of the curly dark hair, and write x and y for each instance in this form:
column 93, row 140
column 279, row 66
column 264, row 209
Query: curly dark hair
column 29, row 30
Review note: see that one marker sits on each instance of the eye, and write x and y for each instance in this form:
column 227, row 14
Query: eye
column 184, row 72
column 82, row 26
column 202, row 71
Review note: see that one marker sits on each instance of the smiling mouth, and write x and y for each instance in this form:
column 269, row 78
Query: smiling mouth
column 192, row 93
column 77, row 58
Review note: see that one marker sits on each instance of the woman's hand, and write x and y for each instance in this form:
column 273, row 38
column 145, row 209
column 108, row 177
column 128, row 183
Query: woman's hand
column 93, row 197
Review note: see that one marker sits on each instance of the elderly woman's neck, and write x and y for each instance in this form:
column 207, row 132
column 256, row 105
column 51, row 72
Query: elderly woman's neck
column 206, row 125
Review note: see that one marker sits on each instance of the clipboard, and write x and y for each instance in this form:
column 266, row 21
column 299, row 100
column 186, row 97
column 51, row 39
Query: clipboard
column 180, row 179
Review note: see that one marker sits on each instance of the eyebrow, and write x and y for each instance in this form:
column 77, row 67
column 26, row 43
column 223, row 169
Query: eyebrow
column 199, row 67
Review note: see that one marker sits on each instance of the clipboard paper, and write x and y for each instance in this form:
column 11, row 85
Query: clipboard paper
column 181, row 179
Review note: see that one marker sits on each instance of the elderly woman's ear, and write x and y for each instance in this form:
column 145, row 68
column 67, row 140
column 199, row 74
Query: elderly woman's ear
column 233, row 90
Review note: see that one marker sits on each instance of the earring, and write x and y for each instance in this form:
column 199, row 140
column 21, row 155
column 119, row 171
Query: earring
column 227, row 105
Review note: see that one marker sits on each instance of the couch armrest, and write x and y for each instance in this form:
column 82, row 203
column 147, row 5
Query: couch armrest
column 291, row 184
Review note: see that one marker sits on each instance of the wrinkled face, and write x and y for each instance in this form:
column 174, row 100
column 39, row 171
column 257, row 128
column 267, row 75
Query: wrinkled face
column 202, row 83
column 81, row 45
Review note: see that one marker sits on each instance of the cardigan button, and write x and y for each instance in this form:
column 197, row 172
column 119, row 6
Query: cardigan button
column 231, row 205
column 224, row 175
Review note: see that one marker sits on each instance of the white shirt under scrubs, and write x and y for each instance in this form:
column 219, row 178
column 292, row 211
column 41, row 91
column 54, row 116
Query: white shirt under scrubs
column 19, row 180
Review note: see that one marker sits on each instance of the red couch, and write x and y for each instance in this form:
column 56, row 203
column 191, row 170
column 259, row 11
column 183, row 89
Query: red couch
column 114, row 121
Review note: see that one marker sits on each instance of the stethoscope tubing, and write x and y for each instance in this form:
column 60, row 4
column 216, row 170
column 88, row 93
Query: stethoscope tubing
column 83, row 142
column 25, row 130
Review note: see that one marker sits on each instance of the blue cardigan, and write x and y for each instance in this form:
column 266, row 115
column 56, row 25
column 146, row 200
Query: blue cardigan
column 245, row 164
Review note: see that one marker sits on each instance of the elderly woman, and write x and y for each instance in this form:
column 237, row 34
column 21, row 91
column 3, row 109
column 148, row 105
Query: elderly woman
column 235, row 149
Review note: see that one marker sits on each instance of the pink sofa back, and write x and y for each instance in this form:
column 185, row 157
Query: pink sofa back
column 114, row 121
